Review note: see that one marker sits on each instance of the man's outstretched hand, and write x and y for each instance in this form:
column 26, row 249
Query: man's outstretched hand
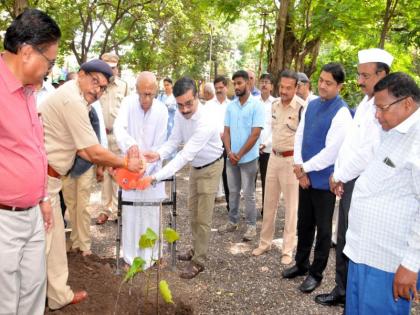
column 151, row 156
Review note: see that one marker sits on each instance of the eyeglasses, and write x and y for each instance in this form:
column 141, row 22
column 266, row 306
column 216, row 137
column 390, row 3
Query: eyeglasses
column 386, row 107
column 51, row 62
column 96, row 82
column 147, row 95
column 265, row 82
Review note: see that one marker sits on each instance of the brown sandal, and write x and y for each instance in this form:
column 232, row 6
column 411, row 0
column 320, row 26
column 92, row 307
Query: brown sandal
column 187, row 255
column 102, row 218
column 191, row 270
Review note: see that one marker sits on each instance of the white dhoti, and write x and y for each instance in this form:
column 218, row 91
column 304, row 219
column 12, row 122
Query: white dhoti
column 136, row 220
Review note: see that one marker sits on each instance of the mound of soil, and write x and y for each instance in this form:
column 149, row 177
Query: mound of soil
column 107, row 294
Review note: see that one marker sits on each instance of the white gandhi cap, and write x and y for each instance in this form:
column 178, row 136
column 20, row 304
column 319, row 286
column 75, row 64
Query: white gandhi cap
column 375, row 55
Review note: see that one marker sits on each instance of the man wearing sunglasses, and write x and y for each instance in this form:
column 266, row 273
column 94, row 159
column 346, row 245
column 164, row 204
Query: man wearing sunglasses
column 383, row 236
column 68, row 131
column 31, row 45
column 356, row 152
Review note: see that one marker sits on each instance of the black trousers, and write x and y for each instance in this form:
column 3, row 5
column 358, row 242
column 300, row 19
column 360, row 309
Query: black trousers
column 315, row 211
column 225, row 181
column 263, row 161
column 341, row 260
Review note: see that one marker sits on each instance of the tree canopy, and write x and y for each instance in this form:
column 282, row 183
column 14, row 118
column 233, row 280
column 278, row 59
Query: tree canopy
column 203, row 38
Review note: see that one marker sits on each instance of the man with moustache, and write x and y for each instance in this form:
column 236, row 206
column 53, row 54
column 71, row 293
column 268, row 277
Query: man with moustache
column 203, row 149
column 321, row 131
column 266, row 99
column 304, row 88
column 244, row 120
column 140, row 126
column 218, row 107
column 67, row 132
column 383, row 236
column 357, row 151
column 30, row 49
column 280, row 176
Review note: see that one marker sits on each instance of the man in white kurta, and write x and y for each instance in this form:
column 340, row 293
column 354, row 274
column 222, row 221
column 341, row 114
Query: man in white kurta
column 141, row 125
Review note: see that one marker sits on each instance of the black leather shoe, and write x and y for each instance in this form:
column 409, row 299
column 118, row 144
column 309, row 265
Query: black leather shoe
column 309, row 284
column 330, row 299
column 293, row 272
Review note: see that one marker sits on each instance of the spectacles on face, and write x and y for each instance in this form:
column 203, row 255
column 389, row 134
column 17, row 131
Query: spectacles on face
column 51, row 62
column 96, row 82
column 365, row 76
column 385, row 108
column 265, row 82
column 187, row 104
column 147, row 95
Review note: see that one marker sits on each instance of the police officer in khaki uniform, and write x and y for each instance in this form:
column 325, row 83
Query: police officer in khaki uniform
column 68, row 131
column 111, row 101
column 280, row 177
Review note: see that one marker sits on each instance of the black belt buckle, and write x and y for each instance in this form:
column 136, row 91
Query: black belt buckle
column 200, row 167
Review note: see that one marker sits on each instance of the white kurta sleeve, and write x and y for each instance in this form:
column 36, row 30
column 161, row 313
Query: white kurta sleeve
column 297, row 151
column 335, row 137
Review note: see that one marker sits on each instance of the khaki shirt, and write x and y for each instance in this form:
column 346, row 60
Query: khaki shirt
column 285, row 120
column 111, row 102
column 67, row 128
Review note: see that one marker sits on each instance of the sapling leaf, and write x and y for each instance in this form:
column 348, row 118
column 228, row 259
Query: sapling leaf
column 170, row 235
column 148, row 239
column 165, row 291
column 136, row 267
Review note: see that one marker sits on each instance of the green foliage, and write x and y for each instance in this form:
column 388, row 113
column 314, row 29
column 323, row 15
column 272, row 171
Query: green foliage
column 170, row 235
column 165, row 292
column 148, row 239
column 136, row 267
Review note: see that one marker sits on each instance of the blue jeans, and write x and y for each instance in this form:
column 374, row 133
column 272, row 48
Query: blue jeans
column 242, row 176
column 369, row 292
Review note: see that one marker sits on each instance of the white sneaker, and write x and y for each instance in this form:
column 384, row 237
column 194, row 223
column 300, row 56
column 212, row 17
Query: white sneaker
column 228, row 227
column 251, row 233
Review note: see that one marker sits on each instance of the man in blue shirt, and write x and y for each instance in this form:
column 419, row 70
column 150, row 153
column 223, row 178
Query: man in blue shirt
column 244, row 120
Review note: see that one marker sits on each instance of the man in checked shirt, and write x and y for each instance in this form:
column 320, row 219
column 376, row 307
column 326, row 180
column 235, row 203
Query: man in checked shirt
column 383, row 236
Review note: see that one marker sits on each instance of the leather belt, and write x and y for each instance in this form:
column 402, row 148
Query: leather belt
column 52, row 172
column 284, row 153
column 9, row 208
column 200, row 167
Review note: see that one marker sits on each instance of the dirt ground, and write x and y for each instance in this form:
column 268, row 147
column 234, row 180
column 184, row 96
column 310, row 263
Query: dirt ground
column 234, row 282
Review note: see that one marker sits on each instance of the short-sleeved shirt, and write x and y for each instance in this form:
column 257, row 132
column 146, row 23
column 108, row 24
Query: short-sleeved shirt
column 67, row 128
column 285, row 121
column 241, row 119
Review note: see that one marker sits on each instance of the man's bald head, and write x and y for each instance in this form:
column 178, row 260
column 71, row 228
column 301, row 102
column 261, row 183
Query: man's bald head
column 146, row 88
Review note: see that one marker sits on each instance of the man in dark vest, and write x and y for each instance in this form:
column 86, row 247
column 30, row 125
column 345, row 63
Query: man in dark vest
column 318, row 138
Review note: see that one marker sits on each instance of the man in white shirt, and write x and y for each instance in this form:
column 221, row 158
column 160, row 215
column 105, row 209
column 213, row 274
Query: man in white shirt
column 140, row 126
column 356, row 152
column 383, row 236
column 208, row 92
column 304, row 88
column 318, row 138
column 203, row 149
column 217, row 107
column 266, row 99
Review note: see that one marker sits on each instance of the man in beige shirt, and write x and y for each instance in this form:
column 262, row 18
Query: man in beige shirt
column 111, row 102
column 280, row 177
column 68, row 132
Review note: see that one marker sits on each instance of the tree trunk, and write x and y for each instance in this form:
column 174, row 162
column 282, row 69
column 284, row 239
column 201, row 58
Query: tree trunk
column 19, row 6
column 389, row 14
column 277, row 58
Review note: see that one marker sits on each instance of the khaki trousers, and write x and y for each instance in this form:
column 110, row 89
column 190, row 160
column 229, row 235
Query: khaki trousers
column 280, row 179
column 59, row 293
column 76, row 192
column 22, row 267
column 202, row 191
column 109, row 186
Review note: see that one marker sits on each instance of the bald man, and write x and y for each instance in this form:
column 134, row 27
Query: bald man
column 141, row 125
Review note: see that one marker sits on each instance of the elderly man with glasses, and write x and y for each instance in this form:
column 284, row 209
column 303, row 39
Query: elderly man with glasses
column 68, row 133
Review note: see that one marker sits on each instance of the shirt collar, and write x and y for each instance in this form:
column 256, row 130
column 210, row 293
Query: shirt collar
column 11, row 82
column 404, row 126
column 293, row 102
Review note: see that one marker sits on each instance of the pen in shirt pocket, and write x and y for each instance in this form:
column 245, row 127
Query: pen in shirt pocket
column 388, row 162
